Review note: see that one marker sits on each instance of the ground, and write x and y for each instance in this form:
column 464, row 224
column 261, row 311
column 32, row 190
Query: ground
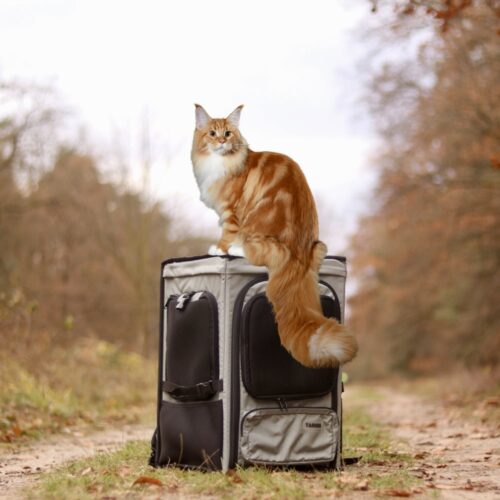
column 456, row 455
column 412, row 445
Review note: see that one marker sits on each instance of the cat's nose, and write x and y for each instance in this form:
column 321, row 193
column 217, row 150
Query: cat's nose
column 222, row 140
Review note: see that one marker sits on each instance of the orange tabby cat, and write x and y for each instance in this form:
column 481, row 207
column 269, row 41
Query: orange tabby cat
column 268, row 215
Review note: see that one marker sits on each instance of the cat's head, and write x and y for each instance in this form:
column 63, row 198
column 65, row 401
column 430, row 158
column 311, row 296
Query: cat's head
column 218, row 135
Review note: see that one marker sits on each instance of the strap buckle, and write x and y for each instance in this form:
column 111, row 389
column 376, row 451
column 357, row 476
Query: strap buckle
column 197, row 392
column 202, row 388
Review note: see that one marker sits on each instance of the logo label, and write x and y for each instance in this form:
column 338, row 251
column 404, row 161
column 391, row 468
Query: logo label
column 312, row 425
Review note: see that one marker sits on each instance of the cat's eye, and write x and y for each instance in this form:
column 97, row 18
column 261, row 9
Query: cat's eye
column 228, row 133
column 212, row 133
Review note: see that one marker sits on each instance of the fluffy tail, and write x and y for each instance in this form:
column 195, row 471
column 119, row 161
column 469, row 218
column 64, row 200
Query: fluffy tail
column 312, row 339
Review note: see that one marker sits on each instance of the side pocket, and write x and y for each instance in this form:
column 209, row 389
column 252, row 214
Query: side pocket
column 192, row 360
column 191, row 434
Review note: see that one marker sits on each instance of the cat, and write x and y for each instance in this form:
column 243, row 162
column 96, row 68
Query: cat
column 268, row 215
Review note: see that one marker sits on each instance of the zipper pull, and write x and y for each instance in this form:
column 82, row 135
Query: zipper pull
column 282, row 404
column 182, row 300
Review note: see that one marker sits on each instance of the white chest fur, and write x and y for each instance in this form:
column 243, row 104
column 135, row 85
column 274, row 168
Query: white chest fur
column 208, row 170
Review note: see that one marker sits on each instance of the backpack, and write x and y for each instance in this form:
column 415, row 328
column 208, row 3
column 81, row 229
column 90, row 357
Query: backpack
column 228, row 393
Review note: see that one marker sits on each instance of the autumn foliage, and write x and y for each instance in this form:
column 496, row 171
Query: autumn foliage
column 426, row 259
column 80, row 253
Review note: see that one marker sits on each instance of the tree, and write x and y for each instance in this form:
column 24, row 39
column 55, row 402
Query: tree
column 427, row 258
column 78, row 255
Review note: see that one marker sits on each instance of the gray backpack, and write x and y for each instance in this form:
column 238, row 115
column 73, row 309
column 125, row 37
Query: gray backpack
column 228, row 393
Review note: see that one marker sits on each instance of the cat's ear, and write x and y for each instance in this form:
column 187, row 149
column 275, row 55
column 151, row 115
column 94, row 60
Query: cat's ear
column 202, row 117
column 234, row 117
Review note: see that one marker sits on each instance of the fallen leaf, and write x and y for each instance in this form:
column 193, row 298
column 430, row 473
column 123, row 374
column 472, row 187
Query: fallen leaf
column 234, row 476
column 493, row 401
column 442, row 449
column 361, row 486
column 94, row 488
column 87, row 471
column 308, row 475
column 468, row 485
column 378, row 462
column 398, row 493
column 16, row 430
column 148, row 480
column 420, row 455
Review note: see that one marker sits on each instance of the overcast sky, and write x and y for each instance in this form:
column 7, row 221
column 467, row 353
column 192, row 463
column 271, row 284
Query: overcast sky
column 293, row 64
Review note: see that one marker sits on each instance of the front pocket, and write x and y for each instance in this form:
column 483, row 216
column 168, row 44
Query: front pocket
column 192, row 360
column 191, row 434
column 268, row 369
column 293, row 436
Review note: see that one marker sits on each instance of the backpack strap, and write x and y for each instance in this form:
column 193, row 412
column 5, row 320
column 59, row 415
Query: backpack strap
column 201, row 391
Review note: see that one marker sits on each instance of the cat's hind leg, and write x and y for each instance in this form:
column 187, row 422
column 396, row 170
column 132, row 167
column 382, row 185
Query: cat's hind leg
column 263, row 250
column 236, row 250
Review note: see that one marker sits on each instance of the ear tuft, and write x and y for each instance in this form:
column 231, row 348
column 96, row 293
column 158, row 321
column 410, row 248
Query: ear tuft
column 234, row 117
column 202, row 117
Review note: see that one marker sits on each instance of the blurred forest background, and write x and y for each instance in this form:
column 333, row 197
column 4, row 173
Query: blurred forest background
column 80, row 258
column 427, row 256
column 80, row 250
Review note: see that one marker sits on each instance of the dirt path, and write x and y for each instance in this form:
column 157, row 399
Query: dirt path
column 455, row 457
column 458, row 457
column 24, row 463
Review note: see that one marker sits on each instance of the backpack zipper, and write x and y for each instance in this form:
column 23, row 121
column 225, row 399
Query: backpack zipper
column 182, row 300
column 235, row 370
column 282, row 404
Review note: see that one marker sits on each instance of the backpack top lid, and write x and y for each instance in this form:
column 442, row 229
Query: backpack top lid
column 227, row 264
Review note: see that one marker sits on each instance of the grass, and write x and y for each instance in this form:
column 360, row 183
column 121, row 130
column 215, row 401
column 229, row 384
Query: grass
column 89, row 384
column 381, row 470
column 363, row 437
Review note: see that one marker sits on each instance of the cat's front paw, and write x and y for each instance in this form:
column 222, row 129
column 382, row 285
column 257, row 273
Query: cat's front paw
column 215, row 250
column 236, row 251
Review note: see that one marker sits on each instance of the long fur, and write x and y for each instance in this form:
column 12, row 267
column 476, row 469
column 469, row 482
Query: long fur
column 266, row 208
